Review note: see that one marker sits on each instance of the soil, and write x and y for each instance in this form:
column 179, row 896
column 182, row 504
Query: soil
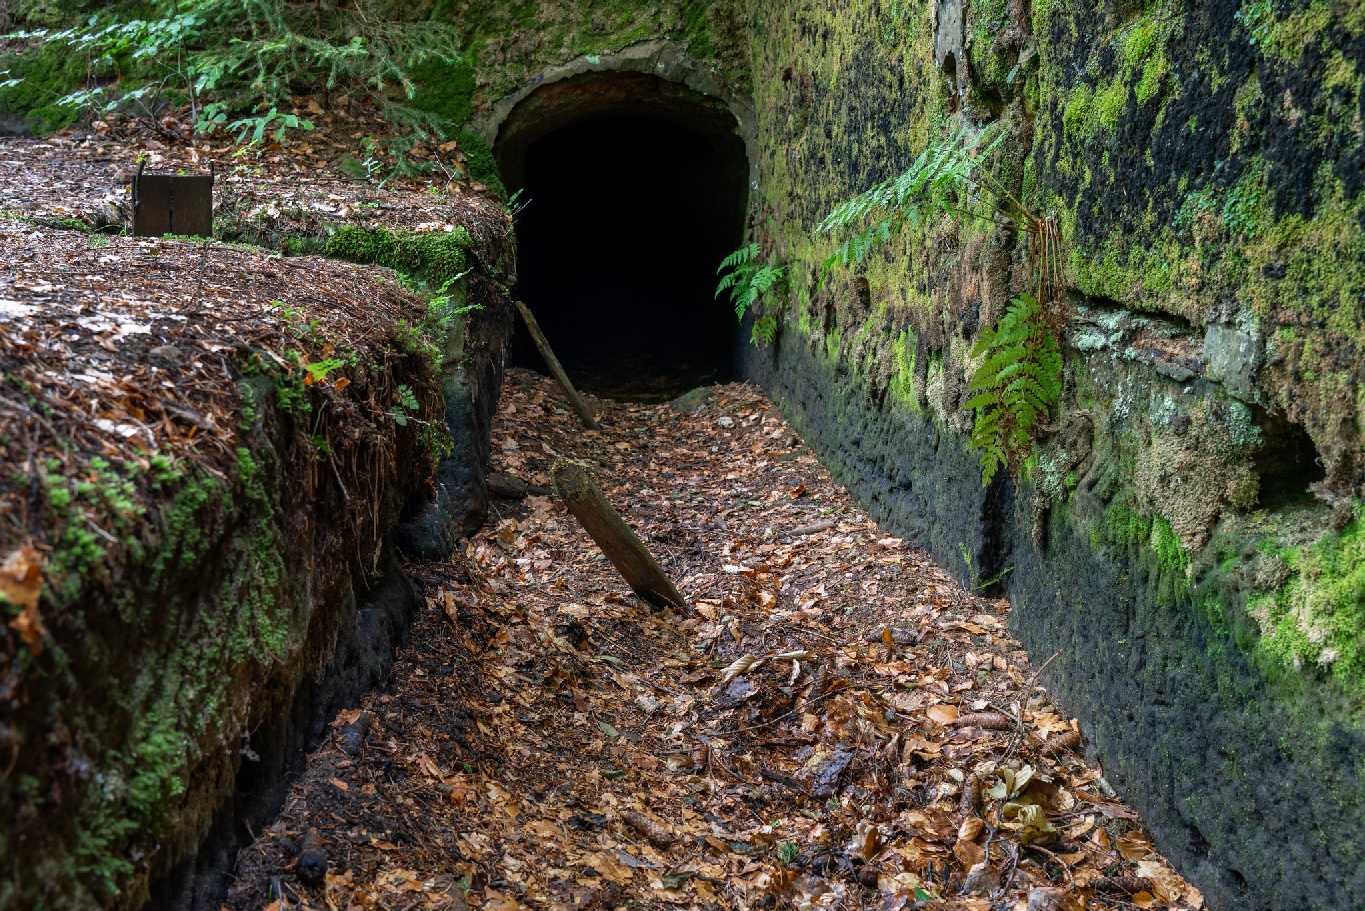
column 833, row 722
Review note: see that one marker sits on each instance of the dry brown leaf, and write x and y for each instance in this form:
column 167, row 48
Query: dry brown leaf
column 942, row 713
column 968, row 853
column 740, row 665
column 970, row 829
column 21, row 583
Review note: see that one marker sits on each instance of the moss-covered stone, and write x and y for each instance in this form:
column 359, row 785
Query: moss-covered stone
column 434, row 257
column 1316, row 619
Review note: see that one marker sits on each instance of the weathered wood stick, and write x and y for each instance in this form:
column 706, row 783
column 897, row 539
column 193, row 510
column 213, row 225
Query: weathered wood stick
column 822, row 525
column 613, row 536
column 510, row 487
column 579, row 404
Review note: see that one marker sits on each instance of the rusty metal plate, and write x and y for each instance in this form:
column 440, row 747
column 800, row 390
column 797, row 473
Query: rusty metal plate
column 173, row 204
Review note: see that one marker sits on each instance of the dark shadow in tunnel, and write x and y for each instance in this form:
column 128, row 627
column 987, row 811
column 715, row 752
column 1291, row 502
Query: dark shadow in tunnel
column 630, row 210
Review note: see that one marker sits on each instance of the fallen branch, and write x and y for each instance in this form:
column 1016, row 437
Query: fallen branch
column 614, row 536
column 579, row 404
column 510, row 487
column 822, row 525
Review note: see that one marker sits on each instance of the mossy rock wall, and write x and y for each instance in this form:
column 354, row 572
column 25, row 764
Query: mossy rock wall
column 1186, row 537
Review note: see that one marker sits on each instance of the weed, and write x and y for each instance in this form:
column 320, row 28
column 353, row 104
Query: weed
column 406, row 405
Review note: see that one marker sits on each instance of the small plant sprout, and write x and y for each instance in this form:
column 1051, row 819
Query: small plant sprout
column 406, row 406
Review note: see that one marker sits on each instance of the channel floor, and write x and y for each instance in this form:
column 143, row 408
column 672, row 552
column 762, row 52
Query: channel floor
column 833, row 722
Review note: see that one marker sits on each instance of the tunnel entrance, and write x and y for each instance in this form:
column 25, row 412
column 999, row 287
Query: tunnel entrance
column 635, row 189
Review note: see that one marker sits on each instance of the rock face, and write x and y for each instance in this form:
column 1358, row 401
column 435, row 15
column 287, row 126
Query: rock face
column 1186, row 532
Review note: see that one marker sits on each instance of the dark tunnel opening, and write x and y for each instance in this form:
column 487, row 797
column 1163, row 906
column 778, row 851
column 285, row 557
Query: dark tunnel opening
column 628, row 213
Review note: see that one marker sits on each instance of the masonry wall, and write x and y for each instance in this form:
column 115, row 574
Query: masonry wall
column 1186, row 538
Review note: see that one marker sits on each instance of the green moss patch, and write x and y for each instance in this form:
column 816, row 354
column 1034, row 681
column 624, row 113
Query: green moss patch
column 1317, row 619
column 478, row 157
column 36, row 79
column 435, row 257
column 445, row 88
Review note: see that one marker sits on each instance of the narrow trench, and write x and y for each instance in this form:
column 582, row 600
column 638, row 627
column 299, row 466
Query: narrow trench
column 628, row 211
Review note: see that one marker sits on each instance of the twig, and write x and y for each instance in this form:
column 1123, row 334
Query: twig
column 1061, row 863
column 779, row 778
column 1042, row 667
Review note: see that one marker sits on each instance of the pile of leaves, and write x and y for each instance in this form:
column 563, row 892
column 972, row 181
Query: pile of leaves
column 833, row 722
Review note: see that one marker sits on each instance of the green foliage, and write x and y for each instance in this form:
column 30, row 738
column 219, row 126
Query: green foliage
column 764, row 330
column 946, row 178
column 1020, row 379
column 752, row 282
column 1258, row 19
column 239, row 63
column 33, row 84
column 291, row 387
column 318, row 370
column 517, row 203
column 445, row 306
column 406, row 405
column 1016, row 385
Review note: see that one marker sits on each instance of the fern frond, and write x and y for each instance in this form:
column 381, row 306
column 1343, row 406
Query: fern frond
column 747, row 280
column 1018, row 382
column 744, row 255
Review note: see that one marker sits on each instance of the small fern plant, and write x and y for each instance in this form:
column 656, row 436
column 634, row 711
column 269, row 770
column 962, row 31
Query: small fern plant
column 1020, row 379
column 946, row 178
column 1016, row 386
column 753, row 282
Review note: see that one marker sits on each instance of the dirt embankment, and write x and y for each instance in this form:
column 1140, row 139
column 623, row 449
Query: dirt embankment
column 207, row 449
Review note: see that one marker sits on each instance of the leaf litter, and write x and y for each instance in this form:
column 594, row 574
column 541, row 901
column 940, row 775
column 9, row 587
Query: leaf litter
column 834, row 722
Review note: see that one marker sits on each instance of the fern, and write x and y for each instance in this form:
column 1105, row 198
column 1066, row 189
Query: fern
column 1020, row 379
column 751, row 283
column 1016, row 385
column 249, row 58
column 764, row 330
column 943, row 179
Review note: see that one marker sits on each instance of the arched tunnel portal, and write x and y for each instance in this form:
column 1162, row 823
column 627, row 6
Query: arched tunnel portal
column 635, row 188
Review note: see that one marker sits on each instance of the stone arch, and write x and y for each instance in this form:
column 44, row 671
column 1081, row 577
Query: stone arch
column 636, row 168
